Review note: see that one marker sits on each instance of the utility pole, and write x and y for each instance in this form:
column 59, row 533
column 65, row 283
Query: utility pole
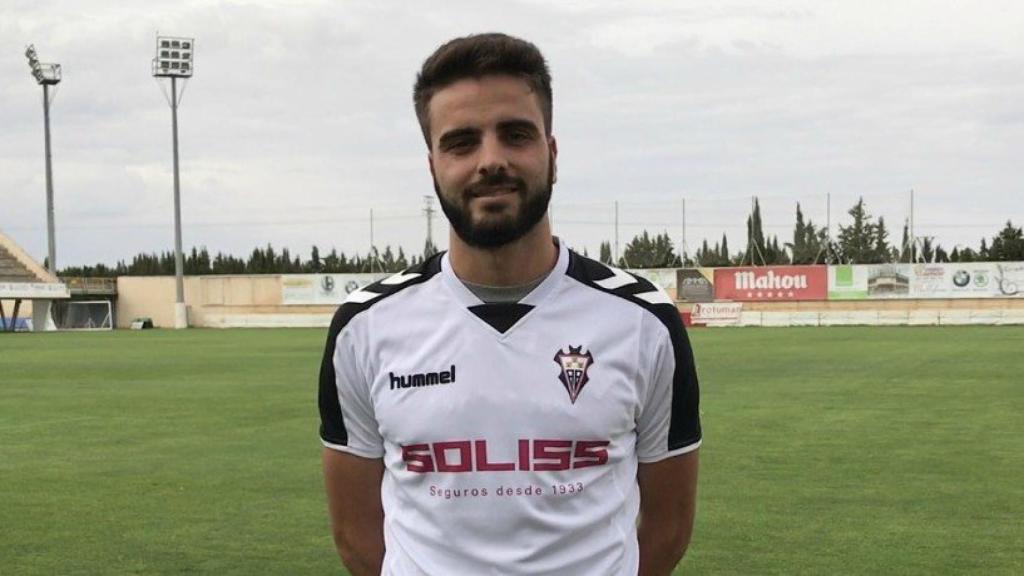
column 913, row 236
column 616, row 232
column 373, row 250
column 682, row 234
column 828, row 227
column 428, row 210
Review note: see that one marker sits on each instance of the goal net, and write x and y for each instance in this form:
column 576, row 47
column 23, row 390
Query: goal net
column 88, row 315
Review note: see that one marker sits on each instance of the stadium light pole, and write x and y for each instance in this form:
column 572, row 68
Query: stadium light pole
column 174, row 59
column 47, row 75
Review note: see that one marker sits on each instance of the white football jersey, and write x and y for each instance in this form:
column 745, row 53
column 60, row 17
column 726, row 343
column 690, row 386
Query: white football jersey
column 510, row 433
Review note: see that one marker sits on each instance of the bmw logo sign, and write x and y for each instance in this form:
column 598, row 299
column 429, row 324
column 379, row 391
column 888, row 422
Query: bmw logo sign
column 327, row 283
column 961, row 278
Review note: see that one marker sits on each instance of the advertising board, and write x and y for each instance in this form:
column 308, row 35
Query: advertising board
column 772, row 283
column 926, row 281
column 695, row 284
column 663, row 277
column 717, row 313
column 869, row 281
column 967, row 280
column 33, row 290
column 322, row 289
column 847, row 282
column 1009, row 279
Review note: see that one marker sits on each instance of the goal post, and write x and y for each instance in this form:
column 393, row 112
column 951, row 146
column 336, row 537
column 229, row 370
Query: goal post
column 88, row 315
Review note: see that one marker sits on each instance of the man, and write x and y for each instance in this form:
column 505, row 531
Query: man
column 507, row 407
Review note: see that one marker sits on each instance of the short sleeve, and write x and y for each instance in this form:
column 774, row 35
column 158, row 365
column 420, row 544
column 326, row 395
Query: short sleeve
column 669, row 420
column 347, row 418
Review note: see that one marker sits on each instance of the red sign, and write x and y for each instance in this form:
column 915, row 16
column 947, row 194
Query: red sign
column 772, row 283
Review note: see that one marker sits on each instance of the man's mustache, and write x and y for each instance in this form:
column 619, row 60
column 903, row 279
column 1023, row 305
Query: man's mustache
column 496, row 180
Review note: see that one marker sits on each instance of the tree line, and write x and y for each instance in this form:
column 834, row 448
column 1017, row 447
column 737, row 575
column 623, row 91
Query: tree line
column 266, row 260
column 865, row 240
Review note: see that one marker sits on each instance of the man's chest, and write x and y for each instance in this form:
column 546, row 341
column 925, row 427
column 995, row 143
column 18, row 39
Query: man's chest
column 549, row 378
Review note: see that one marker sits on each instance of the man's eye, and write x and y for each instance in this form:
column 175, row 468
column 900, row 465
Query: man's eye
column 518, row 137
column 459, row 146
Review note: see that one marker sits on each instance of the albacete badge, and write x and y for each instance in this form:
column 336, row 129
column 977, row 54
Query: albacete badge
column 574, row 370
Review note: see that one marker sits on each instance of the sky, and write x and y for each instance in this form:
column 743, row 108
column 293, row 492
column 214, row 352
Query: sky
column 298, row 122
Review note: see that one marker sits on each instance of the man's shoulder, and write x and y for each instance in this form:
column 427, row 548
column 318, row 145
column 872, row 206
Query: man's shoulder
column 616, row 282
column 625, row 287
column 368, row 296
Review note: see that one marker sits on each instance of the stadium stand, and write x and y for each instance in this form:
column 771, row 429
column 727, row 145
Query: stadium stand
column 13, row 271
column 21, row 279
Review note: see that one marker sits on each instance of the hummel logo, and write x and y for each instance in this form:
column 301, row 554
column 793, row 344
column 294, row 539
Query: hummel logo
column 426, row 379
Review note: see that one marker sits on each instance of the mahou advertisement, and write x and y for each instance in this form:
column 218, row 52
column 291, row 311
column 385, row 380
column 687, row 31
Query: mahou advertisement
column 772, row 283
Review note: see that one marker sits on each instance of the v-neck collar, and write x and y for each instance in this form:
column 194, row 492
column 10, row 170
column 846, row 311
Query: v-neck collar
column 468, row 300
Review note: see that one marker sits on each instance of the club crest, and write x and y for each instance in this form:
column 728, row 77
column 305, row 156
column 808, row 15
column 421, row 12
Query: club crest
column 574, row 370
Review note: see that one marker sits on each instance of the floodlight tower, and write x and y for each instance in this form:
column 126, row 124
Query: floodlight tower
column 46, row 75
column 174, row 59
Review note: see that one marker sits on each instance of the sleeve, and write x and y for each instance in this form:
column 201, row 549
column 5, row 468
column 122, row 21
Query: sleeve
column 669, row 419
column 347, row 419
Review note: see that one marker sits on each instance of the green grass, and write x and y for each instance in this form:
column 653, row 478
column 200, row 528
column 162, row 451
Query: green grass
column 827, row 451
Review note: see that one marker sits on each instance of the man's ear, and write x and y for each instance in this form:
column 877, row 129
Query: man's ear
column 553, row 146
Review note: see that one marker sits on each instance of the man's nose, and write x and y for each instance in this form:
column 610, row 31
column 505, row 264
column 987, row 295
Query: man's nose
column 493, row 156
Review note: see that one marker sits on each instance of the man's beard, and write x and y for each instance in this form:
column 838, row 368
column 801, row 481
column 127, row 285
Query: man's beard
column 500, row 230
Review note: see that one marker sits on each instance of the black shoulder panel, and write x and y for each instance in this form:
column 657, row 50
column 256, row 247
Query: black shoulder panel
column 684, row 427
column 332, row 426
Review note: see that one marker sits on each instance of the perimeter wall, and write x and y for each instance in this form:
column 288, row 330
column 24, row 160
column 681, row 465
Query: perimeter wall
column 889, row 294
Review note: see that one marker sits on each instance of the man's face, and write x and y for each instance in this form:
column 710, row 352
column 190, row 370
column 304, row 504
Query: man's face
column 492, row 164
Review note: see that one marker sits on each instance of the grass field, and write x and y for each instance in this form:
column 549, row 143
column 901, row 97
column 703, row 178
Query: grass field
column 827, row 451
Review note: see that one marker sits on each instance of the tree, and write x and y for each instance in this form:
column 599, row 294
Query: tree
column 756, row 248
column 429, row 249
column 401, row 263
column 881, row 251
column 906, row 246
column 927, row 249
column 606, row 253
column 714, row 257
column 808, row 246
column 315, row 265
column 864, row 241
column 643, row 251
column 1007, row 245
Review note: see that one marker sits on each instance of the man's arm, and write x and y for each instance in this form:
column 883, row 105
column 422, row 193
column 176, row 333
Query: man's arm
column 668, row 504
column 357, row 517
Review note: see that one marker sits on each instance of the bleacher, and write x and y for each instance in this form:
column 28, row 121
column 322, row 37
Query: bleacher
column 11, row 270
column 23, row 280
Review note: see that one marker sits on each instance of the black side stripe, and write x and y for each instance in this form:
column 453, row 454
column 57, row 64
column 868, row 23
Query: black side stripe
column 332, row 424
column 684, row 425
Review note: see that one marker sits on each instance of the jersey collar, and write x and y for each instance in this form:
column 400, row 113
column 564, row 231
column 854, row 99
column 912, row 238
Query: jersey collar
column 535, row 297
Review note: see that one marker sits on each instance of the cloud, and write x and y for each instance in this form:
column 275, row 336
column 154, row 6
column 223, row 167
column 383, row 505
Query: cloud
column 299, row 120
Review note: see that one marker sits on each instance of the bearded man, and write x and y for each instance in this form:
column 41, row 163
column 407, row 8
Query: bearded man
column 507, row 406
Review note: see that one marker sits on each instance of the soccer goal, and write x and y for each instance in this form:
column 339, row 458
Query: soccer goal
column 88, row 315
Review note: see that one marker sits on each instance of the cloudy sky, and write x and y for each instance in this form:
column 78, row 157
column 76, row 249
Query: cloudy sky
column 299, row 121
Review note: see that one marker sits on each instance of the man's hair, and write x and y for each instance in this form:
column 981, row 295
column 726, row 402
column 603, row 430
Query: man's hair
column 481, row 55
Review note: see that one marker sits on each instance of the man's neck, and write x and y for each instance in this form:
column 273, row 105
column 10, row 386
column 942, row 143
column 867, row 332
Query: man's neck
column 519, row 262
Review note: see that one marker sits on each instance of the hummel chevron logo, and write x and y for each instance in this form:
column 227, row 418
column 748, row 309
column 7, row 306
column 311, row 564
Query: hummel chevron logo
column 618, row 279
column 362, row 296
column 400, row 278
column 621, row 278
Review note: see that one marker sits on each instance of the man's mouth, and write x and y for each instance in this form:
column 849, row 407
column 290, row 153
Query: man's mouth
column 493, row 191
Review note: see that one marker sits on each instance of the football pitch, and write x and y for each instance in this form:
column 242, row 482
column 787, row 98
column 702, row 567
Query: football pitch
column 826, row 451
